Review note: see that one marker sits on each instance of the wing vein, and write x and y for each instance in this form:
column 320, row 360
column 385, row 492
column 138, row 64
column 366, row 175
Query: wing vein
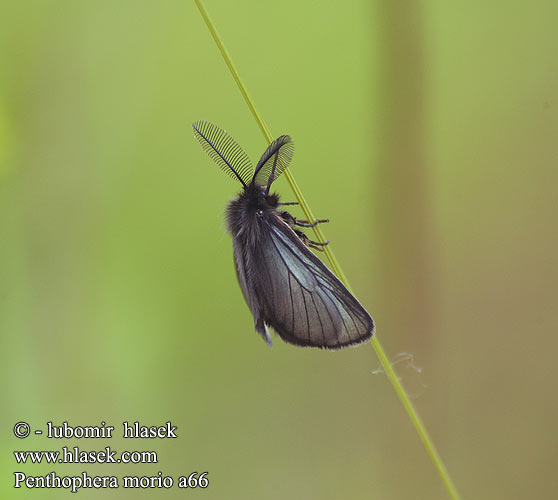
column 319, row 319
column 307, row 320
column 330, row 317
column 292, row 302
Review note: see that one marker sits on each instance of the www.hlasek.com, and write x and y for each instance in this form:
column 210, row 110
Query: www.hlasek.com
column 77, row 456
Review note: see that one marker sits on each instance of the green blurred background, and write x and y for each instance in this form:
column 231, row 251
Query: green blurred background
column 426, row 131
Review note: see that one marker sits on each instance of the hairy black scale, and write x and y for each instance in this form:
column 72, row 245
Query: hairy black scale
column 246, row 215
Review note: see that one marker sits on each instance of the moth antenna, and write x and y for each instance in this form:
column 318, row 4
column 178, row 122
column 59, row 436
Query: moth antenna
column 274, row 161
column 224, row 151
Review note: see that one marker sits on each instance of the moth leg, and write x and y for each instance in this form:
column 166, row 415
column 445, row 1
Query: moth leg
column 305, row 223
column 289, row 203
column 316, row 245
column 288, row 218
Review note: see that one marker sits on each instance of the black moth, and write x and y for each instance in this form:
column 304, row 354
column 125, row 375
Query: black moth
column 285, row 285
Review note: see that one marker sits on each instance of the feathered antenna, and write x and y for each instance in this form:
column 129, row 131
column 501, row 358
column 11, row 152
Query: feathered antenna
column 274, row 161
column 224, row 151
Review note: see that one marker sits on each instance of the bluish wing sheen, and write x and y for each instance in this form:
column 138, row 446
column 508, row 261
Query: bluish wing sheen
column 301, row 298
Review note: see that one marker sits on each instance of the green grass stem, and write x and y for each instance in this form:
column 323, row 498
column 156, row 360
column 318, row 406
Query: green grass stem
column 388, row 369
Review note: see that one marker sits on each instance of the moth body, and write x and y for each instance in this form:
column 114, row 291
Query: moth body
column 285, row 285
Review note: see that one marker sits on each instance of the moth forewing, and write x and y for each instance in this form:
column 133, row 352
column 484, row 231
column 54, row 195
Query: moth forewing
column 310, row 305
